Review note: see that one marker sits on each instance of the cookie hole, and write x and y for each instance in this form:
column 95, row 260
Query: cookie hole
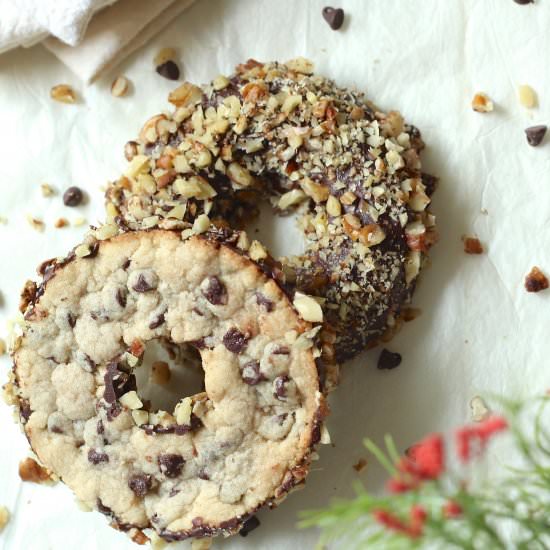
column 185, row 378
column 279, row 233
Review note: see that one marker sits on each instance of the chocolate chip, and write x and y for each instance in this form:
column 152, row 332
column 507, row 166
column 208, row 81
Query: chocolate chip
column 126, row 264
column 535, row 134
column 524, row 2
column 280, row 387
column 142, row 285
column 169, row 70
column 234, row 340
column 73, row 196
column 203, row 475
column 334, row 17
column 215, row 292
column 96, row 457
column 261, row 300
column 388, row 360
column 121, row 297
column 117, row 383
column 25, row 409
column 157, row 321
column 71, row 319
column 171, row 464
column 140, row 484
column 100, row 428
column 197, row 522
column 249, row 525
column 102, row 508
column 251, row 374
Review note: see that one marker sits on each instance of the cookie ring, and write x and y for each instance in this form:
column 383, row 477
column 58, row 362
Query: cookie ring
column 278, row 130
column 205, row 468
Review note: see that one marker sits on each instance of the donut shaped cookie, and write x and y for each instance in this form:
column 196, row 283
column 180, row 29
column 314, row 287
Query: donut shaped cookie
column 204, row 468
column 279, row 131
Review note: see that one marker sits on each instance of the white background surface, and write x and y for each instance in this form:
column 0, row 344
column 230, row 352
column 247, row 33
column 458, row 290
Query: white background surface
column 479, row 330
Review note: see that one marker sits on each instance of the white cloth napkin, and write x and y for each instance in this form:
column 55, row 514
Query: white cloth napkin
column 89, row 36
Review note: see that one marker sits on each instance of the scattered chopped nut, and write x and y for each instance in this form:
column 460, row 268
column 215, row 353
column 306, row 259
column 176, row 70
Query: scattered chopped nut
column 30, row 470
column 47, row 190
column 527, row 96
column 536, row 280
column 291, row 198
column 479, row 409
column 35, row 223
column 160, row 373
column 119, row 87
column 300, row 65
column 325, row 436
column 482, row 104
column 63, row 93
column 186, row 94
column 360, row 465
column 308, row 308
column 472, row 245
column 2, row 346
column 4, row 517
column 60, row 222
column 220, row 82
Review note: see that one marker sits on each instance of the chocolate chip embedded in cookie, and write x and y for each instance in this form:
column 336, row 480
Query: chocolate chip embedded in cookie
column 204, row 468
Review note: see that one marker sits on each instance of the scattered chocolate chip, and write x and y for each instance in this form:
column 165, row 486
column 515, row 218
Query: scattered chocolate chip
column 203, row 475
column 157, row 321
column 261, row 300
column 334, row 17
column 251, row 374
column 169, row 70
column 536, row 280
column 117, row 383
column 94, row 248
column 96, row 457
column 140, row 484
column 280, row 387
column 171, row 464
column 126, row 264
column 535, row 134
column 121, row 297
column 215, row 292
column 524, row 2
column 472, row 245
column 71, row 319
column 388, row 360
column 249, row 525
column 142, row 285
column 234, row 340
column 73, row 196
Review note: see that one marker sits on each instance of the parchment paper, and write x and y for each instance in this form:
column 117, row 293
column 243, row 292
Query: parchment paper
column 479, row 330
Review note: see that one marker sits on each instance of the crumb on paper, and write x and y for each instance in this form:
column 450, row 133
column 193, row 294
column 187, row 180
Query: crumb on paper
column 79, row 222
column 138, row 536
column 536, row 280
column 30, row 470
column 35, row 223
column 360, row 465
column 60, row 222
column 2, row 346
column 484, row 211
column 472, row 245
column 482, row 103
column 63, row 93
column 4, row 517
column 479, row 409
column 527, row 96
column 119, row 87
column 47, row 190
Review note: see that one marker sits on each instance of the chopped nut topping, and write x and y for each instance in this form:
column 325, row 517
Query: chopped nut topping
column 220, row 82
column 536, row 280
column 300, row 65
column 201, row 224
column 183, row 411
column 527, row 96
column 308, row 308
column 30, row 470
column 60, row 222
column 82, row 250
column 63, row 93
column 239, row 175
column 186, row 94
column 291, row 198
column 106, row 232
column 140, row 417
column 482, row 103
column 257, row 251
column 472, row 245
column 119, row 87
column 131, row 400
